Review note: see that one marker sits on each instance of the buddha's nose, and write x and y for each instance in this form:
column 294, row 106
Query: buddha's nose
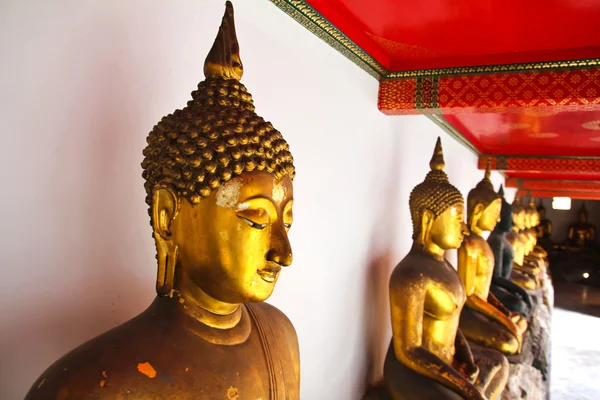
column 281, row 250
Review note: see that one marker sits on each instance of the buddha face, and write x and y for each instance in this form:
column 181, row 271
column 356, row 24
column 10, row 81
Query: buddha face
column 582, row 217
column 519, row 219
column 233, row 244
column 448, row 229
column 535, row 219
column 490, row 216
column 527, row 219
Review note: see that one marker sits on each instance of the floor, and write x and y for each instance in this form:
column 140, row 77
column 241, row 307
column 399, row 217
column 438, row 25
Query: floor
column 576, row 343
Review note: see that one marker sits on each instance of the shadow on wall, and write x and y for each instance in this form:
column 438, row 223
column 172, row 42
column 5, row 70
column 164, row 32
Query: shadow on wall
column 382, row 260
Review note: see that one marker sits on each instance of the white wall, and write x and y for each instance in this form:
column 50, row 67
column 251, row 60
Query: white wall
column 81, row 85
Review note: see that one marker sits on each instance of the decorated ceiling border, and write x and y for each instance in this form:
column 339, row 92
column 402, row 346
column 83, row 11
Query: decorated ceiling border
column 312, row 20
column 320, row 26
column 491, row 69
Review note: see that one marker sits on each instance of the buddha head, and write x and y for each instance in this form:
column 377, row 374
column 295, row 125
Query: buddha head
column 219, row 187
column 541, row 210
column 506, row 221
column 437, row 207
column 582, row 215
column 518, row 213
column 532, row 212
column 483, row 205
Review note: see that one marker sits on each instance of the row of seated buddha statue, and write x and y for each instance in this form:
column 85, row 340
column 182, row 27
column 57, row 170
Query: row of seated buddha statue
column 219, row 185
column 455, row 331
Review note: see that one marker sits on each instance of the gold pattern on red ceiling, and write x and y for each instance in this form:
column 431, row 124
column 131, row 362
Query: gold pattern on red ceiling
column 562, row 90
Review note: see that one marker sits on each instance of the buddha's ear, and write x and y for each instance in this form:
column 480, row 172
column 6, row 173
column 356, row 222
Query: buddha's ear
column 426, row 224
column 164, row 211
column 477, row 211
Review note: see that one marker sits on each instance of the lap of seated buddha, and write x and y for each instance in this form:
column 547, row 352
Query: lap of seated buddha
column 405, row 384
column 488, row 333
column 138, row 358
column 510, row 300
column 523, row 280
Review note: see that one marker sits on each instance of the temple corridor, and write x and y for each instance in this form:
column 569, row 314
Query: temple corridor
column 575, row 349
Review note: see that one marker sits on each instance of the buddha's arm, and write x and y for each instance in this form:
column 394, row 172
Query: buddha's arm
column 592, row 233
column 571, row 232
column 493, row 300
column 407, row 308
column 478, row 304
column 467, row 265
column 524, row 269
column 463, row 357
column 549, row 228
column 513, row 287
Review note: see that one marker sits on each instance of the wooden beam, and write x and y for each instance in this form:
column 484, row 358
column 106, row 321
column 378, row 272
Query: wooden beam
column 492, row 91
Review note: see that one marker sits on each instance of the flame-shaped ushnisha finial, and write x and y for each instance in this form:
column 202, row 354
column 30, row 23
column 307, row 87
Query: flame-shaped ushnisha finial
column 437, row 160
column 223, row 60
column 531, row 202
column 501, row 190
column 488, row 169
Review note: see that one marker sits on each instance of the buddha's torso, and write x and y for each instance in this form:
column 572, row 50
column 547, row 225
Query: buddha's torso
column 165, row 354
column 444, row 299
column 503, row 254
column 516, row 242
column 483, row 263
column 582, row 233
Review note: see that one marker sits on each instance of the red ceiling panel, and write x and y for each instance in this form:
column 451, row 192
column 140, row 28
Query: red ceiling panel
column 406, row 34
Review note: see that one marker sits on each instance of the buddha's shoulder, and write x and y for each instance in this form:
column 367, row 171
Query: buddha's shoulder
column 275, row 317
column 415, row 266
column 90, row 369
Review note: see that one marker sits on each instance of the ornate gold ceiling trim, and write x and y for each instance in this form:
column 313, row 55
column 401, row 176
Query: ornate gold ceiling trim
column 312, row 20
column 499, row 68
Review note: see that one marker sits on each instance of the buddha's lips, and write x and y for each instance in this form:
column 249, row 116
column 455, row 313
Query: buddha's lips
column 269, row 273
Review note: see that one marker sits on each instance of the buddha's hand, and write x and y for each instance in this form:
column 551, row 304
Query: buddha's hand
column 467, row 369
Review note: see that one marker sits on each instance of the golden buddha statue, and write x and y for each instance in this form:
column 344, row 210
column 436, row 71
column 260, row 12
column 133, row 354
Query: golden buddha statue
column 511, row 295
column 582, row 233
column 428, row 357
column 532, row 220
column 484, row 319
column 521, row 273
column 219, row 186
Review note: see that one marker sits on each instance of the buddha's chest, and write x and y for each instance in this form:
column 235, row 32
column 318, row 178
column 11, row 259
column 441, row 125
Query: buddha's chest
column 446, row 295
column 258, row 369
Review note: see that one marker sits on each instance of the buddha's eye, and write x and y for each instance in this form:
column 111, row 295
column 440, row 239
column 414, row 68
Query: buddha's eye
column 287, row 226
column 253, row 224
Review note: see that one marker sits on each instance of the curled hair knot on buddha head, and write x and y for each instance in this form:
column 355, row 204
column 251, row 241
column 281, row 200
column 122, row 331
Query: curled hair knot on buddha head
column 217, row 136
column 435, row 193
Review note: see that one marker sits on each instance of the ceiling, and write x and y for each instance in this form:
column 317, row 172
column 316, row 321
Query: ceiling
column 516, row 81
column 424, row 34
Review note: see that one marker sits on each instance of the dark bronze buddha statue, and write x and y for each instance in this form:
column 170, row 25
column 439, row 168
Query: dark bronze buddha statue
column 513, row 296
column 428, row 357
column 219, row 190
